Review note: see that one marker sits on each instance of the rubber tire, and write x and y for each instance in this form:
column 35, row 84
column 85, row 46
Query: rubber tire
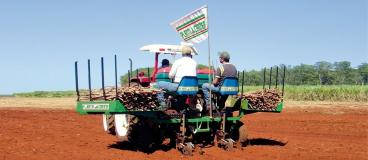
column 108, row 124
column 140, row 134
column 121, row 122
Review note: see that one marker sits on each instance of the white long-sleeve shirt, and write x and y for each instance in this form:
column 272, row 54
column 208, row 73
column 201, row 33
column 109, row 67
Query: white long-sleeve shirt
column 184, row 66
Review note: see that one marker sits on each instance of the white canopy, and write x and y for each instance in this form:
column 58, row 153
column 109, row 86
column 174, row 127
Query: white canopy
column 166, row 49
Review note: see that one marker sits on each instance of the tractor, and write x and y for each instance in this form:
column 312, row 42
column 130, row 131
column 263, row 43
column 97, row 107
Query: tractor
column 161, row 74
column 184, row 121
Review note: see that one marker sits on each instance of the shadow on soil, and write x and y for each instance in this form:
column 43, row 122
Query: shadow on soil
column 131, row 147
column 264, row 141
column 251, row 142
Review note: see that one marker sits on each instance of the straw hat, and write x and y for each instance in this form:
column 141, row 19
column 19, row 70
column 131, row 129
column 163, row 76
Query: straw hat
column 186, row 50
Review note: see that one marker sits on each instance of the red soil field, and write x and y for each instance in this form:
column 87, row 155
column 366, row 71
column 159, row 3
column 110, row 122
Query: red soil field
column 327, row 132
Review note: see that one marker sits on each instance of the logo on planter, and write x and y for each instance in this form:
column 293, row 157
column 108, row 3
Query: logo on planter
column 187, row 89
column 229, row 89
column 96, row 107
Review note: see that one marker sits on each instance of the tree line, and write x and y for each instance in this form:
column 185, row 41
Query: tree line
column 321, row 73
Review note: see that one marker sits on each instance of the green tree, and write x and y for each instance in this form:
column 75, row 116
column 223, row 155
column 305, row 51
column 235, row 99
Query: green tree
column 252, row 77
column 363, row 72
column 303, row 74
column 344, row 73
column 324, row 72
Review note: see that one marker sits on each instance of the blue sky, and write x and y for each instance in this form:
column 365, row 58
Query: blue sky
column 40, row 40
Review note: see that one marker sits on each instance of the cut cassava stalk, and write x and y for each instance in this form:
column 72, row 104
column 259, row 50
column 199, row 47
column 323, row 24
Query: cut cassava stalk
column 133, row 98
column 266, row 100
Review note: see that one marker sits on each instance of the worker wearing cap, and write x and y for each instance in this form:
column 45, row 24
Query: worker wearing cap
column 165, row 63
column 226, row 69
column 165, row 67
column 184, row 66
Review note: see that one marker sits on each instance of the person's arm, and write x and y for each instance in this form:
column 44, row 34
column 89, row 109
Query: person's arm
column 173, row 70
column 216, row 81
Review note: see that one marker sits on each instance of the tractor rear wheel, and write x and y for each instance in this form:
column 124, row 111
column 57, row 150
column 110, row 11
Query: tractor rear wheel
column 108, row 124
column 140, row 134
column 122, row 125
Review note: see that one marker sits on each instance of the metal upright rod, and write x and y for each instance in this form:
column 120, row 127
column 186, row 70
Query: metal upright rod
column 238, row 75
column 283, row 83
column 242, row 91
column 148, row 73
column 224, row 122
column 209, row 61
column 131, row 65
column 89, row 80
column 277, row 76
column 137, row 73
column 264, row 77
column 129, row 77
column 183, row 131
column 76, row 79
column 116, row 77
column 269, row 85
column 103, row 78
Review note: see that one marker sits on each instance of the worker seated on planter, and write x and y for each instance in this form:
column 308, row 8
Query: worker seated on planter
column 184, row 66
column 226, row 69
column 165, row 64
column 163, row 71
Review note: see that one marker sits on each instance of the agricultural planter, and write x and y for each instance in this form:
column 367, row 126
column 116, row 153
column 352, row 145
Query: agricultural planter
column 184, row 120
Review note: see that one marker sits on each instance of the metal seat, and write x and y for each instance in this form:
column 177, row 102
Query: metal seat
column 188, row 86
column 230, row 86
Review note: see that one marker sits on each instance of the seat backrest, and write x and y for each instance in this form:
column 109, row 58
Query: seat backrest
column 230, row 86
column 188, row 86
column 163, row 77
column 203, row 78
column 204, row 75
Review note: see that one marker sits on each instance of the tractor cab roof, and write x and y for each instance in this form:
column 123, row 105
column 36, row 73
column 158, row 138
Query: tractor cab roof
column 167, row 49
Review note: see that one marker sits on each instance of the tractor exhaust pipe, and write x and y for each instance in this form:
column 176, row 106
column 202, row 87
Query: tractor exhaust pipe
column 129, row 77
